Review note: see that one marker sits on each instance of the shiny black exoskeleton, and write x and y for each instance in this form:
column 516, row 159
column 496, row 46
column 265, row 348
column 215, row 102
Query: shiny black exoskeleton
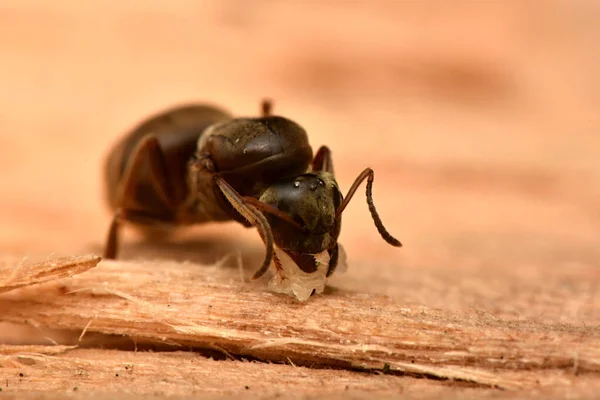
column 196, row 163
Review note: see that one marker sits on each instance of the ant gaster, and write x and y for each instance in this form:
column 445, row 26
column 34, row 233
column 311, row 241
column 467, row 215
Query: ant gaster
column 196, row 163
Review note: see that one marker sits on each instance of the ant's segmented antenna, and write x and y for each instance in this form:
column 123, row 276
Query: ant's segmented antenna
column 368, row 173
column 255, row 217
column 267, row 208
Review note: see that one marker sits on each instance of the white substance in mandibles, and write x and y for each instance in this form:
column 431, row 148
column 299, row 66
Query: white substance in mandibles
column 299, row 284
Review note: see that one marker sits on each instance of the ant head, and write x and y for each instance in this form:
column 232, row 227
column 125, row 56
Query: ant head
column 302, row 215
column 302, row 212
column 305, row 213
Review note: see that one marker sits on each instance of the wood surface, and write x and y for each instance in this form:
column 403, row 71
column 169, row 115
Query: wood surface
column 173, row 307
column 480, row 122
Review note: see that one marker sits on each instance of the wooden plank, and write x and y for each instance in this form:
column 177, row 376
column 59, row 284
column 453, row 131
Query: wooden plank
column 496, row 205
column 208, row 307
column 56, row 371
column 84, row 371
column 16, row 275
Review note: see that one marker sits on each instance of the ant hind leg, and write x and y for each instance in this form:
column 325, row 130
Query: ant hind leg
column 147, row 153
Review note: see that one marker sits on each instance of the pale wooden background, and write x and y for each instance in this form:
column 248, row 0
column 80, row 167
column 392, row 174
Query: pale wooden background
column 480, row 120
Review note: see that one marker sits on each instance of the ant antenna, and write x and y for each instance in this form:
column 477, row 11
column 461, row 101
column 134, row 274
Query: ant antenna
column 255, row 217
column 274, row 212
column 368, row 173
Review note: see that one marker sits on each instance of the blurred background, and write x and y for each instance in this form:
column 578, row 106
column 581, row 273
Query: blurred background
column 480, row 120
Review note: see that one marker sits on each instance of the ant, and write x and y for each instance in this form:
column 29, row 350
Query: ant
column 195, row 163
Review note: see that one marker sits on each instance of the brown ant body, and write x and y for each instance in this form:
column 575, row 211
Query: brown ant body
column 196, row 163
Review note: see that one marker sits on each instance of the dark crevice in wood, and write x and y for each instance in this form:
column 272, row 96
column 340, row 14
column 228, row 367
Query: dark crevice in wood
column 216, row 353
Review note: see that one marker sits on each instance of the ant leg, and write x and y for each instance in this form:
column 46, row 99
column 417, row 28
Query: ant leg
column 254, row 216
column 147, row 151
column 333, row 260
column 368, row 173
column 322, row 160
column 278, row 267
column 266, row 108
column 112, row 241
column 135, row 216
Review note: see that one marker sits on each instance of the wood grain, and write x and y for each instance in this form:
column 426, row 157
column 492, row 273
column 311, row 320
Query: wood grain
column 59, row 371
column 195, row 306
column 21, row 275
column 480, row 121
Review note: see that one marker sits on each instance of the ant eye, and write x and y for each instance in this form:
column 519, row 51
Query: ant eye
column 320, row 182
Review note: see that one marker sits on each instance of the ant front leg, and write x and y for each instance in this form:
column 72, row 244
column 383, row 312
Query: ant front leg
column 147, row 153
column 323, row 160
column 334, row 256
